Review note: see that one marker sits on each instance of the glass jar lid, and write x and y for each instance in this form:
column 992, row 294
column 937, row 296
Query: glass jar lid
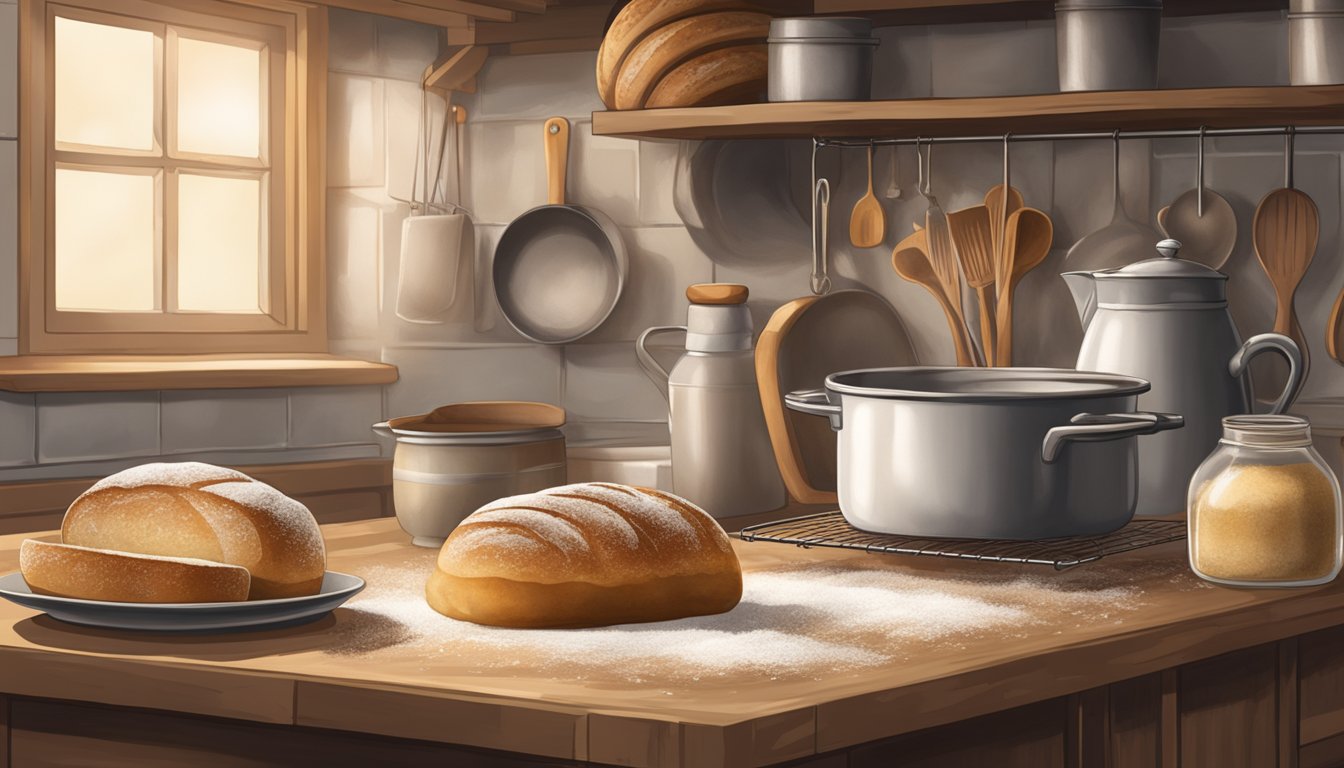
column 1267, row 431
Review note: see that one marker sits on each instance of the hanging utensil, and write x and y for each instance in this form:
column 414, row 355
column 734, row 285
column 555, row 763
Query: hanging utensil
column 1027, row 239
column 821, row 221
column 893, row 186
column 942, row 253
column 911, row 261
column 973, row 238
column 1202, row 220
column 1334, row 331
column 1285, row 231
column 1001, row 200
column 868, row 225
column 1120, row 242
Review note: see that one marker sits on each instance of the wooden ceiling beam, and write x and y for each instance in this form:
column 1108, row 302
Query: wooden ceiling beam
column 560, row 22
column 470, row 8
column 451, row 72
column 405, row 12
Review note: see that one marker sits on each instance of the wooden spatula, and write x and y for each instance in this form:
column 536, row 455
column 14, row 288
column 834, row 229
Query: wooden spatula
column 974, row 241
column 867, row 224
column 911, row 262
column 1027, row 242
column 1285, row 231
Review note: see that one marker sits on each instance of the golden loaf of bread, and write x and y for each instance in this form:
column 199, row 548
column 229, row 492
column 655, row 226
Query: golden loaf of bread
column 200, row 511
column 585, row 555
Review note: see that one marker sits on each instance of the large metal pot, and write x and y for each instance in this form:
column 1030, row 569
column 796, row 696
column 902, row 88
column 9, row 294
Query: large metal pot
column 1003, row 453
column 1107, row 45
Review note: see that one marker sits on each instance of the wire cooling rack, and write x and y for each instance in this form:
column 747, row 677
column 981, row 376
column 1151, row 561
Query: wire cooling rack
column 829, row 529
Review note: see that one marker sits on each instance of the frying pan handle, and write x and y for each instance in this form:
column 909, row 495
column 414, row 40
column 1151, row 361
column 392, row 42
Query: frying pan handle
column 555, row 140
column 1094, row 427
column 648, row 362
column 1283, row 345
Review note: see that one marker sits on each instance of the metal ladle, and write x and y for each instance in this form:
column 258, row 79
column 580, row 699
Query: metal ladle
column 1202, row 220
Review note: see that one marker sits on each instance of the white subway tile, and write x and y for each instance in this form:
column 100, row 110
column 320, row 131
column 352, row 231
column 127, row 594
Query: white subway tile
column 209, row 420
column 9, row 70
column 9, row 347
column 333, row 415
column 604, row 174
column 355, row 136
column 87, row 426
column 902, row 63
column 537, row 87
column 353, row 240
column 657, row 174
column 994, row 59
column 9, row 239
column 505, row 172
column 18, row 425
column 663, row 261
column 405, row 48
column 603, row 382
column 433, row 377
column 352, row 41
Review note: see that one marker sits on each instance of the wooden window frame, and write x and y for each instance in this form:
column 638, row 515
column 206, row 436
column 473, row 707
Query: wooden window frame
column 295, row 319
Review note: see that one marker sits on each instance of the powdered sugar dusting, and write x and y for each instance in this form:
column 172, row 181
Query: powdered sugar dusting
column 605, row 521
column 285, row 511
column 793, row 622
column 557, row 531
column 185, row 473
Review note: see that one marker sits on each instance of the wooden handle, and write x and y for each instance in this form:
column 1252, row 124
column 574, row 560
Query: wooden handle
column 1003, row 347
column 555, row 138
column 717, row 293
column 955, row 324
column 986, row 325
column 1334, row 331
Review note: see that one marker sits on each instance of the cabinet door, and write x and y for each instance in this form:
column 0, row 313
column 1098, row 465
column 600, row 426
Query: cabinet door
column 1228, row 709
column 1025, row 737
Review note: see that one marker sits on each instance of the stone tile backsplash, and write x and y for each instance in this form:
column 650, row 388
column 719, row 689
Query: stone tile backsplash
column 688, row 212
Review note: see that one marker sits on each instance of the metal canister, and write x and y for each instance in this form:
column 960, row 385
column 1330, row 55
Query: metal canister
column 1107, row 45
column 827, row 58
column 1316, row 42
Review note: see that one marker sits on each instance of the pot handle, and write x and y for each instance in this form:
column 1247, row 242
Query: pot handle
column 656, row 372
column 383, row 429
column 1284, row 346
column 1094, row 427
column 815, row 402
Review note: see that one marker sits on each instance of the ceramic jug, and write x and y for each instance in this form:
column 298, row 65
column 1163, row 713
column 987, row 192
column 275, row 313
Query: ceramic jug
column 1166, row 320
column 721, row 454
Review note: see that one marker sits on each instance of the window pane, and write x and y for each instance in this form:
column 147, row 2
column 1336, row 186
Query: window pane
column 218, row 99
column 104, row 85
column 105, row 254
column 219, row 251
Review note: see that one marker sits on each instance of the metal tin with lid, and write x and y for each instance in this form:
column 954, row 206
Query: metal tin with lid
column 1315, row 42
column 1164, row 279
column 822, row 58
column 1107, row 45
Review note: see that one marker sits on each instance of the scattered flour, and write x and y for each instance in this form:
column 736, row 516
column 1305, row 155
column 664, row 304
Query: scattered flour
column 797, row 622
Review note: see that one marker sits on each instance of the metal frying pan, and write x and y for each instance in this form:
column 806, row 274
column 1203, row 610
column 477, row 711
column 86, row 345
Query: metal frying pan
column 559, row 269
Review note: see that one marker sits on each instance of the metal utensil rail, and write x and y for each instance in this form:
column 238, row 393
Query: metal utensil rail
column 1179, row 133
column 829, row 529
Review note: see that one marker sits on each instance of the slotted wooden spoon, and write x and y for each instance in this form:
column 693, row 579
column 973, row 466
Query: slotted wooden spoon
column 974, row 240
column 1285, row 231
column 911, row 261
column 867, row 224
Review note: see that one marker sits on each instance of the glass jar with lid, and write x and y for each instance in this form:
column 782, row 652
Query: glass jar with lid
column 1264, row 508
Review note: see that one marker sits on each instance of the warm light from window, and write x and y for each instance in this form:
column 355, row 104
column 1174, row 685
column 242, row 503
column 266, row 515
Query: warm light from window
column 219, row 250
column 105, row 250
column 218, row 99
column 104, row 85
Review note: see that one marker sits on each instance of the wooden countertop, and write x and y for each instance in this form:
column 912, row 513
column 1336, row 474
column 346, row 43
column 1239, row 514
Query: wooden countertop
column 355, row 670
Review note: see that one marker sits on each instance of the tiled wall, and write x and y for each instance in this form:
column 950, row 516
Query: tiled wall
column 758, row 234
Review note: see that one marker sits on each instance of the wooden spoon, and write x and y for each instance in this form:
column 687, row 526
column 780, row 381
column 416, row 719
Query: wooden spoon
column 1334, row 331
column 1285, row 231
column 911, row 261
column 972, row 235
column 868, row 225
column 1026, row 243
column 1000, row 205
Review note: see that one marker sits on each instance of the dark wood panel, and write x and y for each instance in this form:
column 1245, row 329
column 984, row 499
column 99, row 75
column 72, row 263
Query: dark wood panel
column 345, row 507
column 1320, row 661
column 1287, row 703
column 1228, row 709
column 1327, row 753
column 4, row 732
column 1136, row 722
column 1026, row 737
column 48, row 733
column 1089, row 726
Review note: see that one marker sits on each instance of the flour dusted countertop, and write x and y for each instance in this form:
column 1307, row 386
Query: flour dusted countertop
column 828, row 649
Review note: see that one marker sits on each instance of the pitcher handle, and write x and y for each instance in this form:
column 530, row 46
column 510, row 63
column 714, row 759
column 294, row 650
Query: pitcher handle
column 1284, row 346
column 656, row 372
column 1093, row 427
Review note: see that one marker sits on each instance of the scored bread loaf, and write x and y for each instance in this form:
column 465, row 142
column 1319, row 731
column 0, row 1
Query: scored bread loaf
column 673, row 44
column 585, row 555
column 723, row 76
column 204, row 512
column 98, row 574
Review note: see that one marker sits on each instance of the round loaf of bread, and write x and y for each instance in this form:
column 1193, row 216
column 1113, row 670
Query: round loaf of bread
column 204, row 512
column 97, row 574
column 585, row 555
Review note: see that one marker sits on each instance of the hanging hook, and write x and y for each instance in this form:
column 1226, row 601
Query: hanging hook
column 1199, row 194
column 1006, row 138
column 1288, row 137
column 1115, row 163
column 919, row 162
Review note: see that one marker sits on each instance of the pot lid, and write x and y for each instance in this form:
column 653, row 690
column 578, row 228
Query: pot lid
column 1166, row 264
column 482, row 418
column 855, row 28
column 982, row 384
column 1078, row 5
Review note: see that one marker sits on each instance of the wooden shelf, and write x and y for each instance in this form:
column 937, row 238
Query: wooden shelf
column 100, row 373
column 1054, row 112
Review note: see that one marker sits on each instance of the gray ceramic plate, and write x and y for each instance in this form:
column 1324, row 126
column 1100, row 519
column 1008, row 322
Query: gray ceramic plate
column 187, row 617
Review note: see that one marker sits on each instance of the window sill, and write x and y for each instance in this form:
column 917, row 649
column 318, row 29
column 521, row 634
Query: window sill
column 101, row 373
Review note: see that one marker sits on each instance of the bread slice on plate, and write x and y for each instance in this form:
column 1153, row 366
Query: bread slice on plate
column 65, row 570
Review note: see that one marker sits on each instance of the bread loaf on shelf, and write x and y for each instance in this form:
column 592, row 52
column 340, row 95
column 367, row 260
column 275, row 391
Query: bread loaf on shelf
column 584, row 555
column 98, row 574
column 200, row 511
